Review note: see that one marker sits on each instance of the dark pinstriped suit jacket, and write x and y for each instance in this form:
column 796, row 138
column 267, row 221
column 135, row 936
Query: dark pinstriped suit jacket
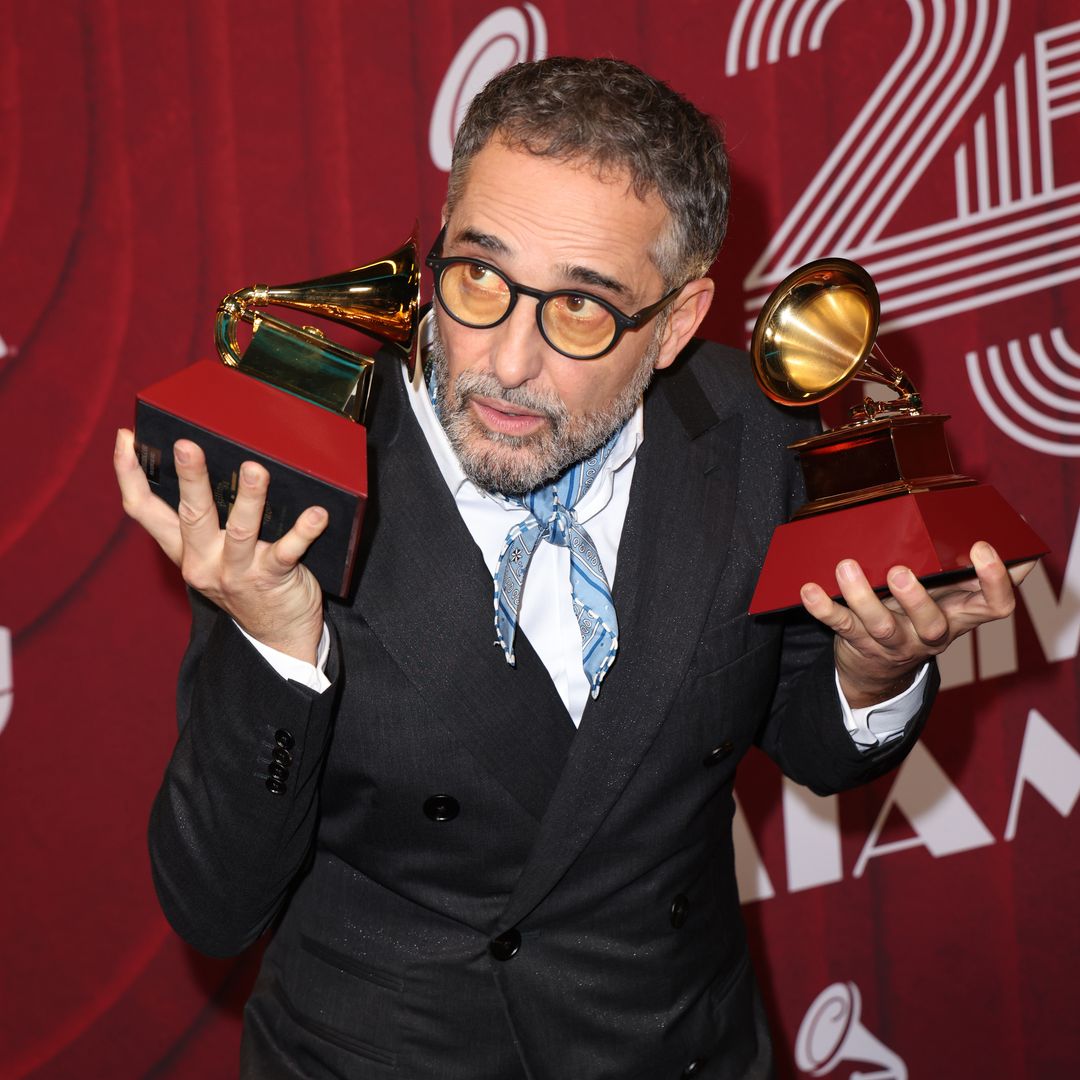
column 598, row 861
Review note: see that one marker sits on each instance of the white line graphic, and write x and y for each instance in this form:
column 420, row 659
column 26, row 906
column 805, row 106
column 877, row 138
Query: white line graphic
column 7, row 677
column 1016, row 397
column 1006, row 191
column 506, row 36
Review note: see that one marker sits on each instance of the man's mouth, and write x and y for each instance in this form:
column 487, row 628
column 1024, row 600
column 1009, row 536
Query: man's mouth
column 506, row 419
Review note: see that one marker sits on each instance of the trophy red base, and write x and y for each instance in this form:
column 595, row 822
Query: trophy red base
column 314, row 457
column 885, row 494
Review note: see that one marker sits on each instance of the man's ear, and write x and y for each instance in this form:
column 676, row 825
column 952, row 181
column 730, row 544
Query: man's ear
column 683, row 318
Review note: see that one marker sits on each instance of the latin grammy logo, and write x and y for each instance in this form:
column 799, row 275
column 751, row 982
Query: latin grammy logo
column 831, row 1033
column 507, row 36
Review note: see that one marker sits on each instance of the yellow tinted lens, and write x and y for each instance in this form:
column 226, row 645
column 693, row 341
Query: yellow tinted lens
column 474, row 294
column 577, row 325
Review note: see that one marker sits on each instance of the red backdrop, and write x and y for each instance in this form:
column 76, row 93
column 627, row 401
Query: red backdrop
column 155, row 157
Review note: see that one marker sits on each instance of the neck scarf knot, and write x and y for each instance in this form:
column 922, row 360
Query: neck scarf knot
column 552, row 519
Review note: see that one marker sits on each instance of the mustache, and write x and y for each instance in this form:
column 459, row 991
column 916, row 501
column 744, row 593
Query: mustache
column 486, row 385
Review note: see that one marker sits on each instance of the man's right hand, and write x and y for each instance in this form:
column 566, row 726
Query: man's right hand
column 263, row 586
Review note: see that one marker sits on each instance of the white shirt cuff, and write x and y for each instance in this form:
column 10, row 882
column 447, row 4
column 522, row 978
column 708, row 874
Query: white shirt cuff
column 877, row 724
column 289, row 667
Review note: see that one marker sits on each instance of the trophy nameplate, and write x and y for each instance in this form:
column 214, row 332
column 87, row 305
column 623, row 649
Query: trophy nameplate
column 881, row 489
column 292, row 400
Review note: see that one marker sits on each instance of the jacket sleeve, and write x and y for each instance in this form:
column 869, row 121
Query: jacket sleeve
column 805, row 732
column 233, row 825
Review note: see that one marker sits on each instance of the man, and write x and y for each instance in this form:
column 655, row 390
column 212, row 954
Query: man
column 516, row 862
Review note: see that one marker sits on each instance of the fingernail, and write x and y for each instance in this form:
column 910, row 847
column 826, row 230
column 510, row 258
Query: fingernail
column 983, row 553
column 809, row 593
column 902, row 578
column 182, row 454
column 846, row 570
column 119, row 438
column 247, row 473
column 316, row 515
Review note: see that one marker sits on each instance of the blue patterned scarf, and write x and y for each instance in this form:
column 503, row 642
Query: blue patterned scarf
column 552, row 518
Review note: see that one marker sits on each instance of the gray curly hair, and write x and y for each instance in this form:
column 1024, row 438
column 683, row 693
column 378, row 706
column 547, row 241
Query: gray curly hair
column 614, row 116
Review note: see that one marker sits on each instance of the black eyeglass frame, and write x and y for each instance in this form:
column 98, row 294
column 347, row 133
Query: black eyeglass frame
column 623, row 322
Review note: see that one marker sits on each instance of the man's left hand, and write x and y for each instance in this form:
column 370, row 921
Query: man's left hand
column 882, row 642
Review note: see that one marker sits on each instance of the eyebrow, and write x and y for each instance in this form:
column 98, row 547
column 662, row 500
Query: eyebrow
column 582, row 275
column 585, row 275
column 480, row 239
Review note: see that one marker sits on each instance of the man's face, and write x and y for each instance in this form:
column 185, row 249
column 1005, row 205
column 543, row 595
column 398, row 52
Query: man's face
column 517, row 412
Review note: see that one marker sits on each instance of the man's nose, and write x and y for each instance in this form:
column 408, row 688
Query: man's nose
column 517, row 349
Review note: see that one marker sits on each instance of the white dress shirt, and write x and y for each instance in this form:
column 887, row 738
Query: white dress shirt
column 547, row 615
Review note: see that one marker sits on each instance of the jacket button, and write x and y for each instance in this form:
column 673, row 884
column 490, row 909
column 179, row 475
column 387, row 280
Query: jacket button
column 278, row 772
column 694, row 1068
column 680, row 906
column 275, row 786
column 506, row 945
column 442, row 808
column 718, row 753
column 284, row 739
column 282, row 757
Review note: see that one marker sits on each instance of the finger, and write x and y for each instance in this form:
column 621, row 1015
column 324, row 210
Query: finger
column 283, row 555
column 927, row 619
column 200, row 528
column 140, row 503
column 245, row 518
column 880, row 623
column 825, row 609
column 997, row 590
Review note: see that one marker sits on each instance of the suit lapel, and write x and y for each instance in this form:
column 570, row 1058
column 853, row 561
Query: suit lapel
column 682, row 500
column 426, row 593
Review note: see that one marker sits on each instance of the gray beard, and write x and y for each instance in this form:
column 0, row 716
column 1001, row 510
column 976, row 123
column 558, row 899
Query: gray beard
column 516, row 464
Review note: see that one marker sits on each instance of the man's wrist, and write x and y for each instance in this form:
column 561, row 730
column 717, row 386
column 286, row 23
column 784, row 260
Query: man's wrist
column 293, row 668
column 880, row 723
column 301, row 645
column 864, row 693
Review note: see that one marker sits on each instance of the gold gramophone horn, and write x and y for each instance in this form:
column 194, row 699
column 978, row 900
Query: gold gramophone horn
column 380, row 299
column 817, row 332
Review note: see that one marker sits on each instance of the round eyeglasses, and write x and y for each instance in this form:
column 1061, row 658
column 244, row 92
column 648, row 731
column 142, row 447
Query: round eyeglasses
column 575, row 324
